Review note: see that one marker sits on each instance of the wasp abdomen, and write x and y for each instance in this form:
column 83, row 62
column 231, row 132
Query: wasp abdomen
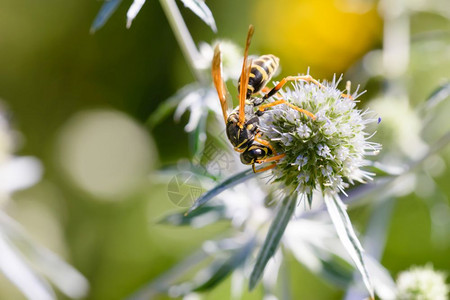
column 261, row 72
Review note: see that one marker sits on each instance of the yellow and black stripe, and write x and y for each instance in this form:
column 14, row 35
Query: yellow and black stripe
column 262, row 70
column 255, row 153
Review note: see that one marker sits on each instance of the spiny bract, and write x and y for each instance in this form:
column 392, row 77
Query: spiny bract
column 325, row 153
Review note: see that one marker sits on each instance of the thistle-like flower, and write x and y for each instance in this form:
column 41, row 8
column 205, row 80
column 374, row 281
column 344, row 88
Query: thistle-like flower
column 325, row 153
column 422, row 283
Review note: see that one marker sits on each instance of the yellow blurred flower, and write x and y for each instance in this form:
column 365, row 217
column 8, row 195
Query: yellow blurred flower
column 327, row 36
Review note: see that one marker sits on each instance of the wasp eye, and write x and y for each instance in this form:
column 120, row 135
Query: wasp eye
column 259, row 153
column 256, row 152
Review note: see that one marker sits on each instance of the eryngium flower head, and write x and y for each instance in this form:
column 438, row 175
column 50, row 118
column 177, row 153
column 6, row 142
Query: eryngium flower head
column 422, row 283
column 325, row 153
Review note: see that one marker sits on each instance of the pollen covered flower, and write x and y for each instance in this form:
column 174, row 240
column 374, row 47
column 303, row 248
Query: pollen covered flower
column 422, row 283
column 325, row 153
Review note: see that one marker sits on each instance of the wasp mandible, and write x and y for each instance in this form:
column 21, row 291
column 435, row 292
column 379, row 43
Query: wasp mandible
column 243, row 129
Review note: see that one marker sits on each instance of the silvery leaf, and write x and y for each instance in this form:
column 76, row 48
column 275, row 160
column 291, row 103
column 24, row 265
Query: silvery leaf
column 14, row 267
column 198, row 218
column 226, row 184
column 273, row 238
column 61, row 274
column 344, row 228
column 219, row 271
column 133, row 11
column 200, row 8
column 441, row 93
column 105, row 12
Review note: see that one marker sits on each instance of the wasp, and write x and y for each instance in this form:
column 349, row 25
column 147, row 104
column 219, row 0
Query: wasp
column 243, row 129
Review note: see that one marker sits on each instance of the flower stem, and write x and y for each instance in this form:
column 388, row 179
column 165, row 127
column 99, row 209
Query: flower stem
column 183, row 37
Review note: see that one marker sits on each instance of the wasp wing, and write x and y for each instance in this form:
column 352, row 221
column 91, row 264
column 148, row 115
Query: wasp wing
column 221, row 88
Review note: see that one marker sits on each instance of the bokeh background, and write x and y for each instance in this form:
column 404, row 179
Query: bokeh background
column 81, row 102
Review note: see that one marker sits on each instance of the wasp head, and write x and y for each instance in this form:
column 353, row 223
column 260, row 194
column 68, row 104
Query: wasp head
column 255, row 153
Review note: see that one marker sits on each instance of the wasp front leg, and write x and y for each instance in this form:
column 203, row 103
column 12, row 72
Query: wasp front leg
column 307, row 78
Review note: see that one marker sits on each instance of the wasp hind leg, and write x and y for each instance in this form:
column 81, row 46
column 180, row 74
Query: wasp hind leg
column 257, row 101
column 264, row 142
column 263, row 107
column 269, row 167
column 307, row 78
column 274, row 159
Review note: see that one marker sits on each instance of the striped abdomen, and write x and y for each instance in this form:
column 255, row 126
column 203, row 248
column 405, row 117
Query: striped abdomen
column 261, row 72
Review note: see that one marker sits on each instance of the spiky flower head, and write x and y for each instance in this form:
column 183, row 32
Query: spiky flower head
column 325, row 153
column 422, row 283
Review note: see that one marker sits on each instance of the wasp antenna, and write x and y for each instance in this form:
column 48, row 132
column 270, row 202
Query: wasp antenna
column 251, row 29
column 243, row 93
column 244, row 78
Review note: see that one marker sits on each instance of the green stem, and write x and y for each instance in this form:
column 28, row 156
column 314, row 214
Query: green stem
column 183, row 37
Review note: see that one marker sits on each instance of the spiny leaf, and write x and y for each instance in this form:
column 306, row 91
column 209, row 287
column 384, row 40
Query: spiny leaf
column 228, row 183
column 374, row 241
column 382, row 280
column 441, row 93
column 15, row 268
column 309, row 197
column 197, row 137
column 200, row 217
column 335, row 270
column 344, row 228
column 60, row 273
column 169, row 105
column 385, row 170
column 273, row 238
column 105, row 12
column 221, row 272
column 164, row 281
column 133, row 11
column 200, row 8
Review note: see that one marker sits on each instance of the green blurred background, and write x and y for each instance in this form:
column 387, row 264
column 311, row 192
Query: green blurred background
column 81, row 102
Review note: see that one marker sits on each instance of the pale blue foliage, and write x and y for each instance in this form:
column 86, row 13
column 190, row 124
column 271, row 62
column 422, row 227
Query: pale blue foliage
column 105, row 12
column 198, row 7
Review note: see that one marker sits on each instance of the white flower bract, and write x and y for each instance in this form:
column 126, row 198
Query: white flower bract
column 324, row 154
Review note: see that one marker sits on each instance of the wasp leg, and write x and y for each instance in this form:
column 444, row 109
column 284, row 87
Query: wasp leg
column 238, row 150
column 263, row 107
column 264, row 142
column 265, row 90
column 257, row 101
column 270, row 159
column 263, row 169
column 307, row 78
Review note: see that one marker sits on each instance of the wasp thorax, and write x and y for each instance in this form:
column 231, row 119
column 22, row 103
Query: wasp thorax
column 241, row 136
